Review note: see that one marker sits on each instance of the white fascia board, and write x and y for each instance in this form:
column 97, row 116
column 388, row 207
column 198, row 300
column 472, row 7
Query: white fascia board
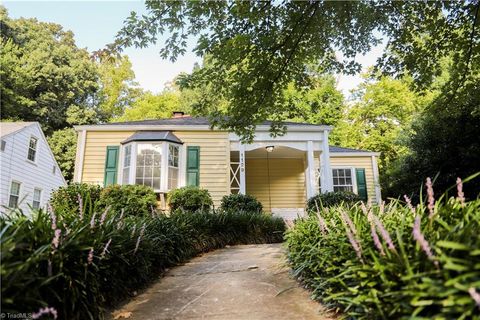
column 354, row 154
column 261, row 128
column 143, row 128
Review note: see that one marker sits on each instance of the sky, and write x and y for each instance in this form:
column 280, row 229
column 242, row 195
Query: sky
column 95, row 24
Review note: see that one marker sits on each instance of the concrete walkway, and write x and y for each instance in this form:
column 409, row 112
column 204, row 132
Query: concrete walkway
column 239, row 282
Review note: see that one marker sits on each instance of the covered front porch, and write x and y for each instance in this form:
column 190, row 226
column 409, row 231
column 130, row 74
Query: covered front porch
column 282, row 173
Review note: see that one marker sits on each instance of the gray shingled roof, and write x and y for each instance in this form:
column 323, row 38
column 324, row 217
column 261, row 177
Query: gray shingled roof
column 341, row 149
column 153, row 136
column 190, row 121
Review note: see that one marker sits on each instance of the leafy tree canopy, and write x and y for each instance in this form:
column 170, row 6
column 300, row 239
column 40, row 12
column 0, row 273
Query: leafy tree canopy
column 259, row 48
column 43, row 72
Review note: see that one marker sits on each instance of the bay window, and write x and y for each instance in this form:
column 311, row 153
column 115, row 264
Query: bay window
column 151, row 159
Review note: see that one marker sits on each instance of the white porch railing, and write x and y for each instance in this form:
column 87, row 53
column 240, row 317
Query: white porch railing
column 234, row 177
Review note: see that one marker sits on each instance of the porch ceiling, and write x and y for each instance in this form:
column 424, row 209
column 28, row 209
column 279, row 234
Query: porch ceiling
column 278, row 152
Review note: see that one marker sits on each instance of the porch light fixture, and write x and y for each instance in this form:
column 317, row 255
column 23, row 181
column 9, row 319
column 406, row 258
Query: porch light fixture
column 270, row 148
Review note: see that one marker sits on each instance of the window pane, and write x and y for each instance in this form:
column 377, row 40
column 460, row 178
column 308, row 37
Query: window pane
column 149, row 157
column 13, row 201
column 139, row 172
column 348, row 173
column 15, row 188
column 37, row 193
column 148, row 172
column 156, row 183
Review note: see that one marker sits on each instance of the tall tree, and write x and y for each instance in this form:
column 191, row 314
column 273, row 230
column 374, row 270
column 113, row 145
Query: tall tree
column 153, row 106
column 259, row 47
column 382, row 111
column 118, row 88
column 44, row 73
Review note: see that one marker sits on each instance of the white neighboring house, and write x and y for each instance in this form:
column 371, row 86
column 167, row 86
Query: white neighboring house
column 28, row 169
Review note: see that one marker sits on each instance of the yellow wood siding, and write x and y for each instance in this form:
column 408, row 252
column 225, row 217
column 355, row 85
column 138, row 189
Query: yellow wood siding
column 214, row 157
column 358, row 162
column 287, row 182
column 214, row 160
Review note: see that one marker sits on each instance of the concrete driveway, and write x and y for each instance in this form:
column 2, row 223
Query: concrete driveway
column 239, row 282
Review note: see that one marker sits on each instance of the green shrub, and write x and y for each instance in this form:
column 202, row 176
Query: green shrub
column 133, row 199
column 397, row 280
column 103, row 256
column 66, row 199
column 240, row 203
column 330, row 199
column 189, row 199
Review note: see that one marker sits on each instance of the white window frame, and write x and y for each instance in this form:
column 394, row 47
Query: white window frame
column 169, row 166
column 36, row 149
column 163, row 165
column 19, row 193
column 39, row 200
column 354, row 177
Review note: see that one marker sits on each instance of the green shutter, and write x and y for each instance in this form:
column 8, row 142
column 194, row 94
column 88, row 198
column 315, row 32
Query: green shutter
column 111, row 163
column 193, row 166
column 361, row 184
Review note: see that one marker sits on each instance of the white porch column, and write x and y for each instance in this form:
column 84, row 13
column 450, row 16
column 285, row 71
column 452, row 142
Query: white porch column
column 241, row 157
column 376, row 182
column 310, row 171
column 326, row 179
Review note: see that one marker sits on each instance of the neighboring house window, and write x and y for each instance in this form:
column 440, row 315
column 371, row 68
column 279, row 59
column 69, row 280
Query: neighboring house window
column 37, row 196
column 127, row 158
column 54, row 170
column 4, row 144
column 342, row 180
column 173, row 152
column 14, row 194
column 149, row 160
column 32, row 149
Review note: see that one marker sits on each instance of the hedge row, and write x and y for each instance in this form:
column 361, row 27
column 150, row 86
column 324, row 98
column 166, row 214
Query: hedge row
column 392, row 262
column 80, row 261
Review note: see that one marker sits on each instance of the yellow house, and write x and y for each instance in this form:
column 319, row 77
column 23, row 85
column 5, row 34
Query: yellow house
column 281, row 172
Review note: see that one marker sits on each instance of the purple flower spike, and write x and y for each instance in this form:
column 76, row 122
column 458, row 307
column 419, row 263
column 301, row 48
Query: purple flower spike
column 92, row 222
column 105, row 248
column 475, row 296
column 350, row 234
column 384, row 233
column 80, row 206
column 431, row 198
column 56, row 238
column 460, row 194
column 376, row 240
column 104, row 215
column 90, row 256
column 418, row 236
column 44, row 311
column 409, row 203
column 142, row 231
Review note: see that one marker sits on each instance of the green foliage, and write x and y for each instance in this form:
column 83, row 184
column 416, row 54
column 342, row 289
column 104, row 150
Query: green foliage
column 153, row 106
column 240, row 203
column 190, row 199
column 126, row 253
column 331, row 199
column 443, row 140
column 403, row 282
column 118, row 88
column 383, row 112
column 258, row 49
column 45, row 73
column 136, row 200
column 66, row 199
column 64, row 147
